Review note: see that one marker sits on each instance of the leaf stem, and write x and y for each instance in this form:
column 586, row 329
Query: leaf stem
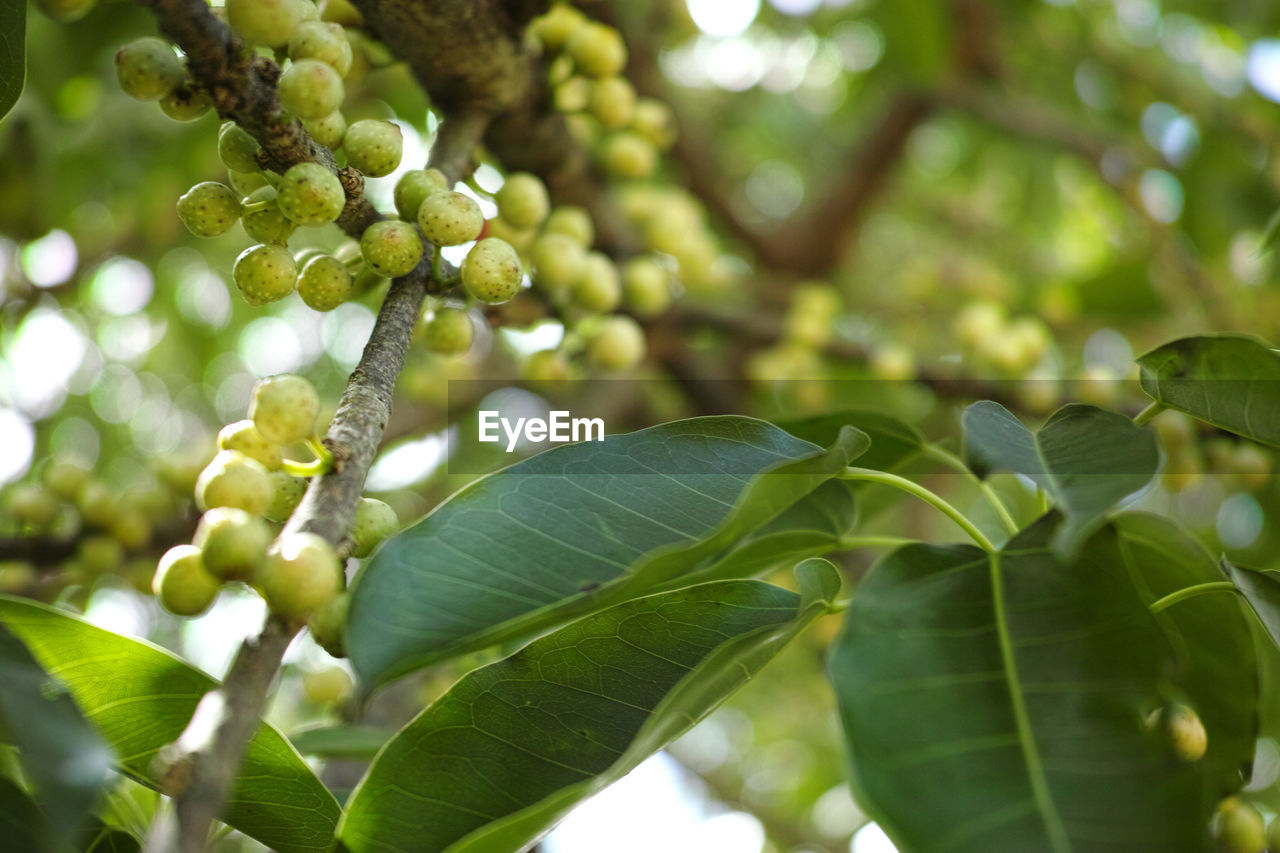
column 949, row 459
column 1144, row 417
column 884, row 478
column 1183, row 594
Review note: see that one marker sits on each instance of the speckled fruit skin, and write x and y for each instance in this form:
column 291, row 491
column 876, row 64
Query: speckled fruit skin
column 269, row 225
column 328, row 131
column 284, row 408
column 309, row 194
column 391, row 247
column 375, row 520
column 310, row 89
column 374, row 147
column 491, row 271
column 148, row 69
column 414, row 187
column 322, row 41
column 523, row 201
column 182, row 583
column 619, row 345
column 237, row 149
column 233, row 479
column 301, row 573
column 324, row 283
column 286, row 494
column 209, row 209
column 244, row 437
column 450, row 218
column 233, row 542
column 264, row 274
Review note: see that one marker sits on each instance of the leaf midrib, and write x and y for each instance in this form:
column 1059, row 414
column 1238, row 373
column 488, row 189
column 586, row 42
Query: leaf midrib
column 1057, row 832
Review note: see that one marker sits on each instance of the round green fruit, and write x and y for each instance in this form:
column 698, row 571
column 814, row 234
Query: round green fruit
column 244, row 437
column 413, row 188
column 300, row 574
column 1185, row 731
column 654, row 121
column 268, row 224
column 284, row 408
column 246, row 183
column 286, row 493
column 66, row 11
column 523, row 200
column 182, row 583
column 374, row 147
column 233, row 542
column 328, row 131
column 148, row 69
column 391, row 247
column 209, row 209
column 618, row 345
column 557, row 263
column 325, row 283
column 612, row 102
column 450, row 218
column 597, row 50
column 375, row 522
column 1239, row 827
column 100, row 555
column 329, row 686
column 33, row 504
column 546, row 366
column 66, row 479
column 186, row 103
column 629, row 155
column 310, row 194
column 491, row 271
column 598, row 288
column 233, row 479
column 328, row 625
column 237, row 149
column 646, row 286
column 269, row 22
column 573, row 222
column 264, row 274
column 310, row 89
column 556, row 27
column 323, row 41
column 449, row 332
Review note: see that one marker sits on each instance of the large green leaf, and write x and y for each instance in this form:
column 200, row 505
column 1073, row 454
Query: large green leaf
column 60, row 751
column 893, row 441
column 1215, row 664
column 140, row 698
column 22, row 825
column 1261, row 588
column 995, row 702
column 575, row 529
column 1086, row 458
column 513, row 746
column 13, row 53
column 1230, row 381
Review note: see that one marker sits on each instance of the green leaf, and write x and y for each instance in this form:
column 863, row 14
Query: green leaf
column 1261, row 588
column 513, row 746
column 22, row 825
column 13, row 53
column 1216, row 665
column 893, row 442
column 1229, row 381
column 575, row 529
column 1086, row 458
column 140, row 698
column 61, row 753
column 995, row 702
column 341, row 741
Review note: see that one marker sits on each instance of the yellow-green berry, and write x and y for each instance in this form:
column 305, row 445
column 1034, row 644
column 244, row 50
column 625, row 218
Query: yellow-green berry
column 654, row 120
column 375, row 522
column 618, row 345
column 246, row 183
column 546, row 366
column 328, row 625
column 286, row 493
column 449, row 332
column 612, row 102
column 328, row 686
column 33, row 504
column 237, row 149
column 97, row 503
column 450, row 218
column 629, row 155
column 328, row 131
column 186, row 102
column 264, row 274
column 646, row 286
column 182, row 583
column 374, row 147
column 310, row 194
column 148, row 69
column 597, row 49
column 310, row 89
column 233, row 479
column 523, row 201
column 557, row 263
column 233, row 542
column 300, row 574
column 322, row 41
column 268, row 225
column 572, row 221
column 491, row 271
column 244, row 437
column 413, row 188
column 391, row 247
column 1239, row 827
column 268, row 22
column 555, row 27
column 100, row 555
column 284, row 408
column 598, row 288
column 209, row 209
column 325, row 283
column 66, row 479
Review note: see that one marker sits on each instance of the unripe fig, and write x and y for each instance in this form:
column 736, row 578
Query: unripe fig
column 181, row 582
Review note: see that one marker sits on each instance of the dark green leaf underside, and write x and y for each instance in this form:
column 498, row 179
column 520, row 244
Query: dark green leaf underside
column 13, row 52
column 140, row 697
column 995, row 703
column 578, row 528
column 1229, row 381
column 501, row 757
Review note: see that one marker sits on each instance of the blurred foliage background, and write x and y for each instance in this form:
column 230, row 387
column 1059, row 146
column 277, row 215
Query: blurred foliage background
column 917, row 202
